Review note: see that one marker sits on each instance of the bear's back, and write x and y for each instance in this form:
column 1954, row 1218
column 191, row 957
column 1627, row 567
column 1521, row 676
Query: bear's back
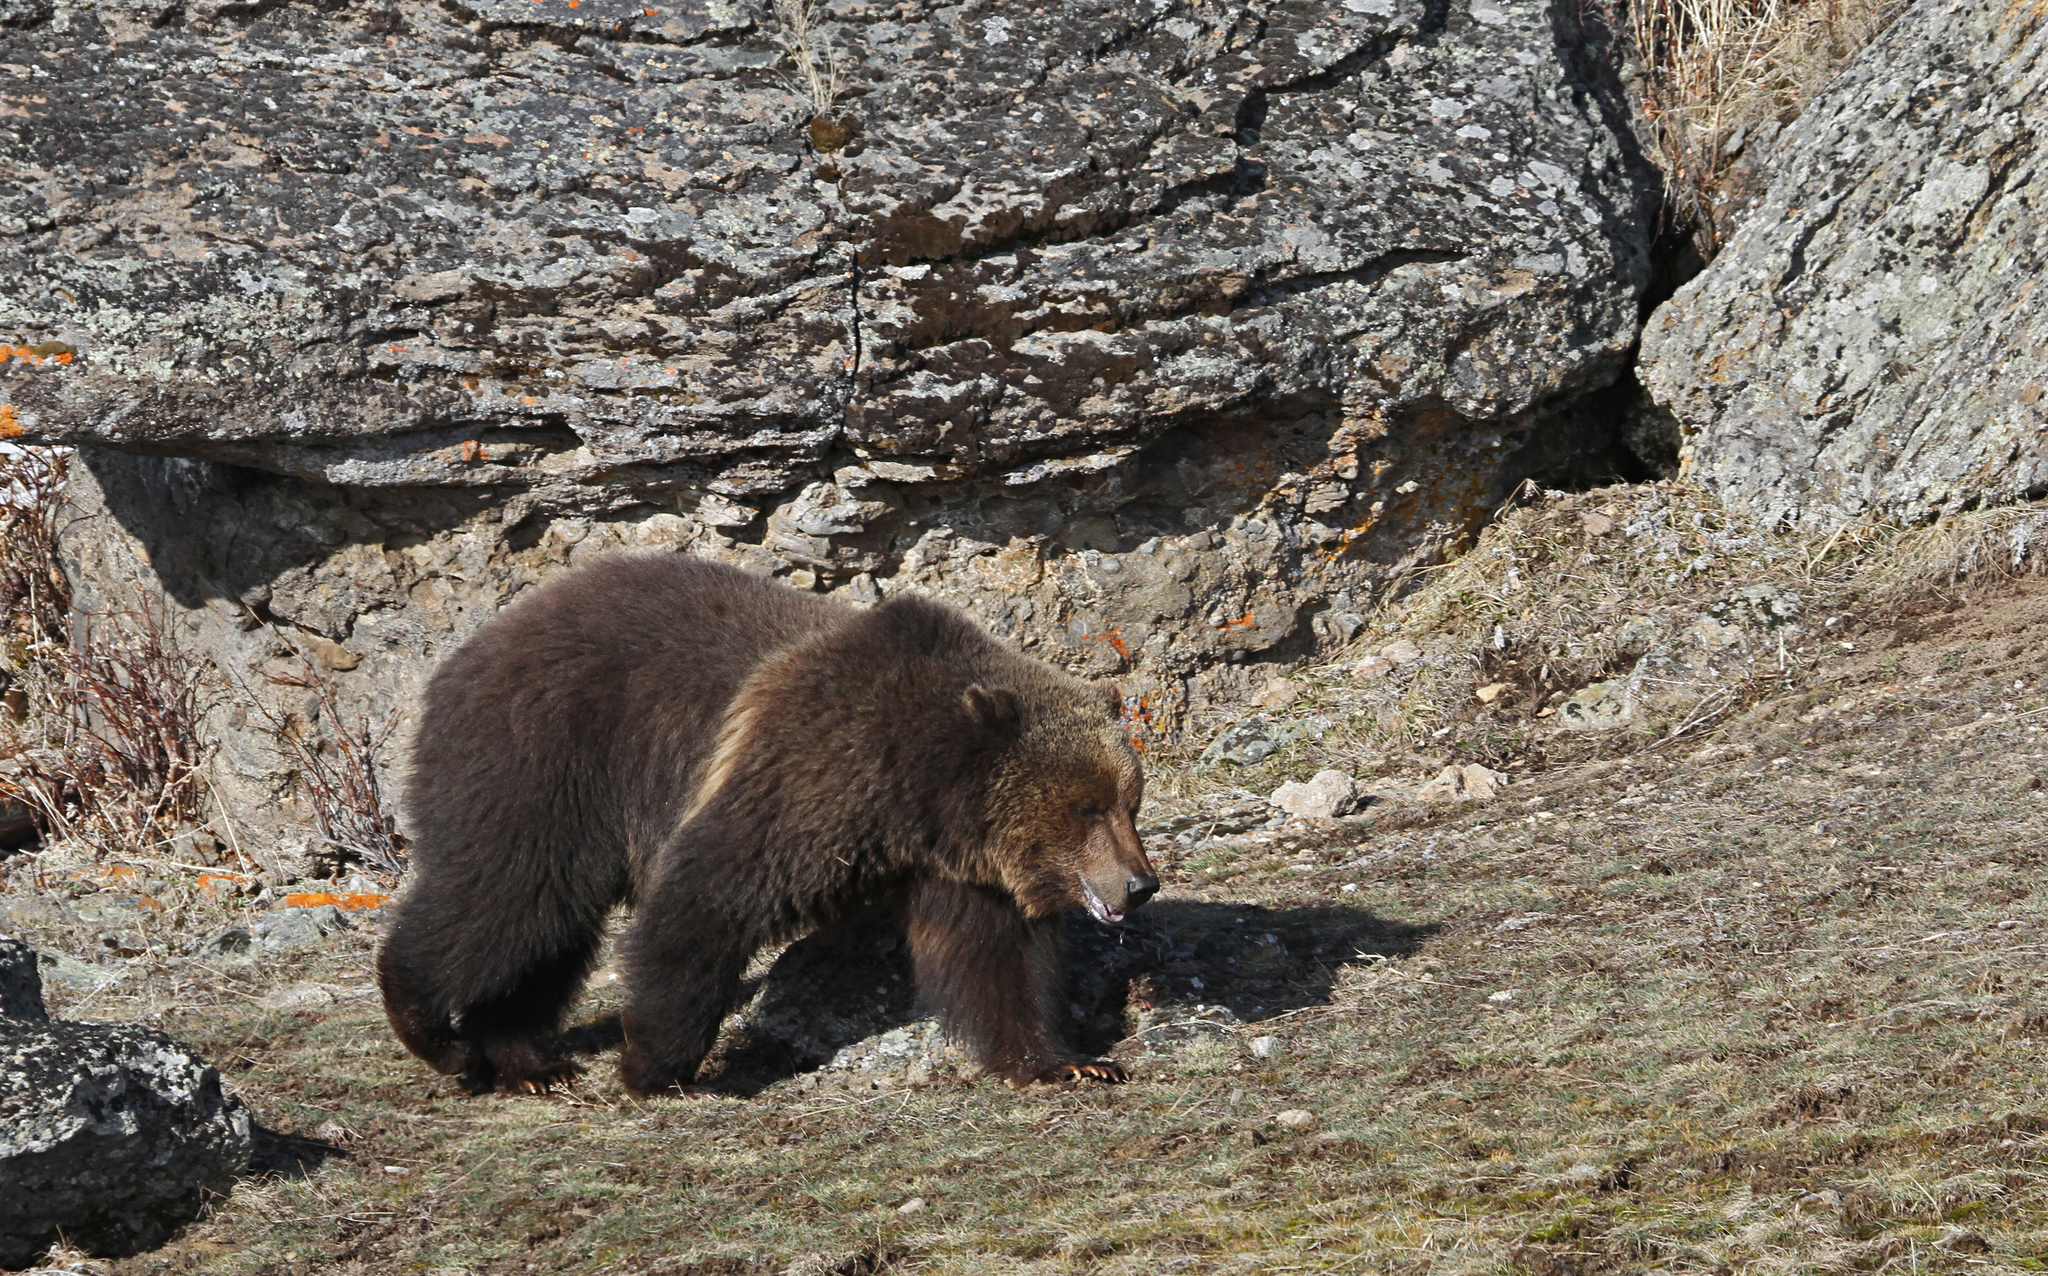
column 590, row 704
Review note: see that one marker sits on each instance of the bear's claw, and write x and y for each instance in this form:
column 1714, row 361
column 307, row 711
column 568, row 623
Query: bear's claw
column 1089, row 1070
column 555, row 1076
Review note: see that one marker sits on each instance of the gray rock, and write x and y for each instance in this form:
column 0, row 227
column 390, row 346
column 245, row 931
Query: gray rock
column 21, row 988
column 1599, row 706
column 1871, row 338
column 1328, row 795
column 1250, row 741
column 1142, row 331
column 112, row 1136
column 284, row 929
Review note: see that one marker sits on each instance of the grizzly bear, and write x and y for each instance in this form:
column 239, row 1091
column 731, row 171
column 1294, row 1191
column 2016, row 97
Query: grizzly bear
column 743, row 763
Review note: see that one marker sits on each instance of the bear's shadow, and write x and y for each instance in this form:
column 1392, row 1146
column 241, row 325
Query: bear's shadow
column 833, row 990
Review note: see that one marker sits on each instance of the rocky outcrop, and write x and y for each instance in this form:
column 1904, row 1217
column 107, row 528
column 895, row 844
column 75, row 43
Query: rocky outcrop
column 1156, row 335
column 112, row 1137
column 1874, row 337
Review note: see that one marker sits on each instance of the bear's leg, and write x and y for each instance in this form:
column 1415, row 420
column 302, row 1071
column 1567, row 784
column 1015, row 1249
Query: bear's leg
column 422, row 1024
column 479, row 996
column 516, row 1033
column 683, row 962
column 998, row 981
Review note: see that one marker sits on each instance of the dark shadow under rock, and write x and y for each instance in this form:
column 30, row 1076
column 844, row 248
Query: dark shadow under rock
column 277, row 1155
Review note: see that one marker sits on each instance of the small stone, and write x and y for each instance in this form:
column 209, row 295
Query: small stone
column 1278, row 693
column 1468, row 783
column 1327, row 796
column 1600, row 706
column 1502, row 996
column 283, row 929
column 1265, row 1047
column 1401, row 651
column 1296, row 1118
column 1490, row 692
column 1372, row 667
column 1596, row 524
column 911, row 1206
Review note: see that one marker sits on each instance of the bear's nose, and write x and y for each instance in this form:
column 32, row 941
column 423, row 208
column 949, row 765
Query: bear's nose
column 1140, row 888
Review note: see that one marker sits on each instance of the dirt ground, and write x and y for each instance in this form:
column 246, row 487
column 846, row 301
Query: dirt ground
column 1761, row 992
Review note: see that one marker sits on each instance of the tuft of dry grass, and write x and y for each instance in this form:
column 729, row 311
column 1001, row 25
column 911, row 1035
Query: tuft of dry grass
column 1725, row 75
column 811, row 50
column 337, row 768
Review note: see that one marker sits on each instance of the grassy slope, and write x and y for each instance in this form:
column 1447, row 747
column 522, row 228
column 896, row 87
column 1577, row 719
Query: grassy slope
column 1776, row 1005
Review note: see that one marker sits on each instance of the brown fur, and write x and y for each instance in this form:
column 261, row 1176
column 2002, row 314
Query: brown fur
column 745, row 763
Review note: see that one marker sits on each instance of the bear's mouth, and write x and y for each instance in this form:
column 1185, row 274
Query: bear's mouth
column 1096, row 908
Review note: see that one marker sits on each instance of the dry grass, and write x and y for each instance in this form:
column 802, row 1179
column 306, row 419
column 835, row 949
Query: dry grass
column 811, row 50
column 1765, row 995
column 107, row 744
column 1725, row 74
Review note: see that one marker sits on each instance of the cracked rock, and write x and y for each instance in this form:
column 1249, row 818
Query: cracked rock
column 1156, row 336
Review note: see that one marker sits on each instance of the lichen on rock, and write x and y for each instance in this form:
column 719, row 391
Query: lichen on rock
column 1871, row 341
column 1158, row 337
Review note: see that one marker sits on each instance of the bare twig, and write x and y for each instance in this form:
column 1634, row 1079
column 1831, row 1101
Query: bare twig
column 339, row 771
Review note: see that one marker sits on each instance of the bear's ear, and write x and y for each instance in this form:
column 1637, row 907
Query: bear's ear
column 993, row 710
column 1113, row 700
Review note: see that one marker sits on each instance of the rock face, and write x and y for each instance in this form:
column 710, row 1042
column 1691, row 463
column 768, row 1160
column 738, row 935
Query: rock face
column 112, row 1135
column 1873, row 337
column 1156, row 335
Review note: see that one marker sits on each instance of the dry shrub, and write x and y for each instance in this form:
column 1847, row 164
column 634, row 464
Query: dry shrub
column 103, row 740
column 338, row 769
column 1726, row 74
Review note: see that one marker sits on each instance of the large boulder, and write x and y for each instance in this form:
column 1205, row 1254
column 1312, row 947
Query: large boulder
column 1158, row 335
column 112, row 1136
column 1874, row 338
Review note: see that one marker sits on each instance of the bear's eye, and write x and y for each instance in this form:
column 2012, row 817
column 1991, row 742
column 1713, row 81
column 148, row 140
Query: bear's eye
column 1088, row 810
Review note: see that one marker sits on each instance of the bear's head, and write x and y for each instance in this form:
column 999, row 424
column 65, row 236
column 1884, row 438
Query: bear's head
column 1063, row 799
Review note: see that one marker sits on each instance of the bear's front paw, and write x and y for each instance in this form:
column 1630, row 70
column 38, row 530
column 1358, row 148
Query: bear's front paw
column 552, row 1076
column 1086, row 1070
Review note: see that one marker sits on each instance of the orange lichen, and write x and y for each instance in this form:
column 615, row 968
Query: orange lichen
column 347, row 902
column 53, row 351
column 473, row 451
column 9, row 426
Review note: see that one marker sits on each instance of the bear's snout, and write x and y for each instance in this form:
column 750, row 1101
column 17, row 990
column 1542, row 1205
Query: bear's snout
column 1138, row 889
column 1109, row 903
